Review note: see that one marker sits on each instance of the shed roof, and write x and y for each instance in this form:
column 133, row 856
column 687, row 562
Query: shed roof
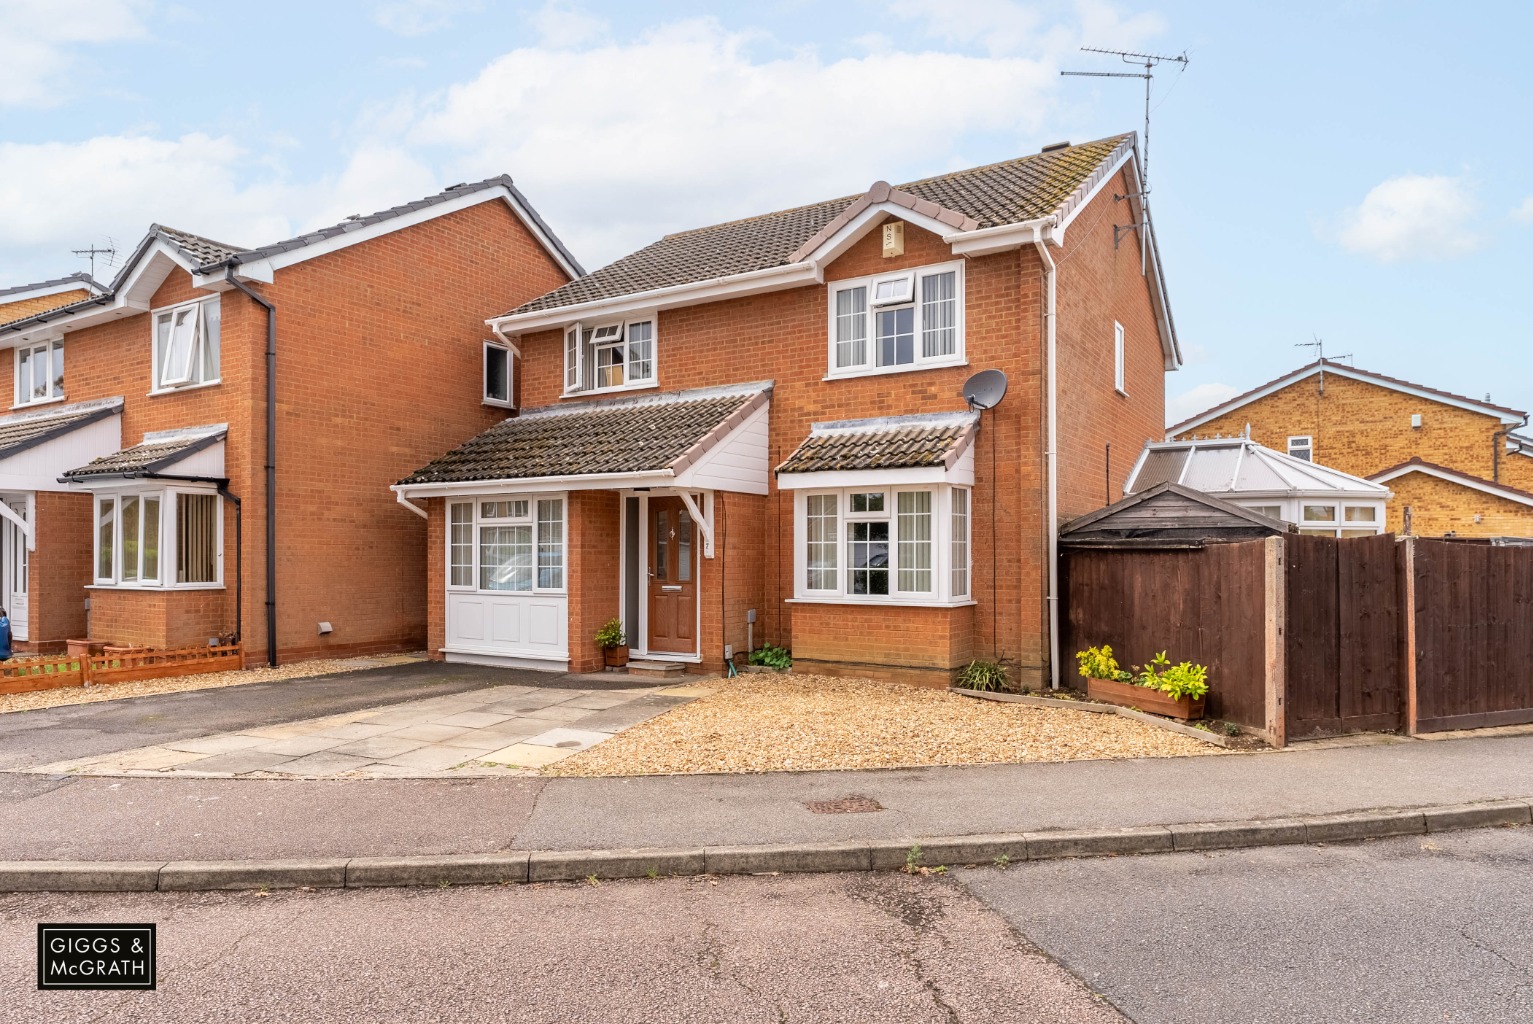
column 1170, row 512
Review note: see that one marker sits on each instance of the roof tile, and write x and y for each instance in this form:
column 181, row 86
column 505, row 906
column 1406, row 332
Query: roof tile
column 901, row 442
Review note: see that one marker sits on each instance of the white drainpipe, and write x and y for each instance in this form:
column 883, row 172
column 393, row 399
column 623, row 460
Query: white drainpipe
column 1050, row 452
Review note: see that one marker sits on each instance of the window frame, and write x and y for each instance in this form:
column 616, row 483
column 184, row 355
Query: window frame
column 940, row 546
column 55, row 383
column 1119, row 369
column 166, row 552
column 477, row 521
column 509, row 402
column 575, row 373
column 199, row 354
column 919, row 361
column 1308, row 446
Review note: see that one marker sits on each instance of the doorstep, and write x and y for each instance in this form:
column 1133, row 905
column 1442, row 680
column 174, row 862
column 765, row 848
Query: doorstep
column 657, row 669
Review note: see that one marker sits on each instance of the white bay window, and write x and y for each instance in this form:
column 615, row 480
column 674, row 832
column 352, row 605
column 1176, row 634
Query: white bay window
column 883, row 544
column 506, row 544
column 609, row 357
column 159, row 538
column 907, row 320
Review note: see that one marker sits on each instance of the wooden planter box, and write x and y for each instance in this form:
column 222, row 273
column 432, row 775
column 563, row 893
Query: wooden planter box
column 1145, row 699
column 614, row 657
column 84, row 648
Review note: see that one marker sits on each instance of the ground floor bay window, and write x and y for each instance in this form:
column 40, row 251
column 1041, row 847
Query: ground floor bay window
column 506, row 576
column 158, row 537
column 889, row 544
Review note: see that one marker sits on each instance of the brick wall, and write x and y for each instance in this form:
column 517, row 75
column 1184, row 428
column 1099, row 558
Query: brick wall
column 934, row 642
column 379, row 371
column 435, row 598
column 1440, row 506
column 594, row 568
column 157, row 618
column 58, row 570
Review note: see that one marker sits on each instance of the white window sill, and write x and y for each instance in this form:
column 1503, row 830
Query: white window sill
column 157, row 587
column 875, row 371
column 498, row 404
column 23, row 406
column 641, row 386
column 887, row 602
column 472, row 592
column 185, row 387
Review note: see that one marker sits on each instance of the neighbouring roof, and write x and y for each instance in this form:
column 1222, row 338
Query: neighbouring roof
column 895, row 442
column 1240, row 466
column 1454, row 476
column 648, row 434
column 1169, row 512
column 22, row 430
column 1009, row 192
column 207, row 256
column 1504, row 413
column 158, row 451
column 69, row 282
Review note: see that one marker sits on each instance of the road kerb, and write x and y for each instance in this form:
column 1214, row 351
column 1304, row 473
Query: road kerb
column 1501, row 812
column 950, row 851
column 203, row 875
column 461, row 869
column 1231, row 835
column 753, row 860
column 79, row 876
column 1098, row 842
column 567, row 865
column 1335, row 828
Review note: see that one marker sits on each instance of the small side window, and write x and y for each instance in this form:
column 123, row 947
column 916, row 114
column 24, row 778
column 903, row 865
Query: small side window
column 497, row 375
column 1302, row 447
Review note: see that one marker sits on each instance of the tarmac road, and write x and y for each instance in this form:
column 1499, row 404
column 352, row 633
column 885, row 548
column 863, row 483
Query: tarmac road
column 835, row 948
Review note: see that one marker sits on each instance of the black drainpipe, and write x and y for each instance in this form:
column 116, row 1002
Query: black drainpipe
column 271, row 467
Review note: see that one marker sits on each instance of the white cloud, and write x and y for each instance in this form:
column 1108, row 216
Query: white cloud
column 683, row 125
column 1197, row 399
column 419, row 17
column 38, row 40
column 1524, row 213
column 564, row 26
column 1413, row 216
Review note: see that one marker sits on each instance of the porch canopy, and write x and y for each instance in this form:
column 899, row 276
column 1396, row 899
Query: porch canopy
column 934, row 448
column 35, row 443
column 186, row 453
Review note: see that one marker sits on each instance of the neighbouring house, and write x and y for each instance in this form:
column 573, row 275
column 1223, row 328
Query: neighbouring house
column 1319, row 500
column 756, row 431
column 144, row 496
column 28, row 299
column 1459, row 465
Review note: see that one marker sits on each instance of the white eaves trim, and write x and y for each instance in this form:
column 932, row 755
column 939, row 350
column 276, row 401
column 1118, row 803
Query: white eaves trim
column 55, row 288
column 1471, row 482
column 133, row 296
column 264, row 270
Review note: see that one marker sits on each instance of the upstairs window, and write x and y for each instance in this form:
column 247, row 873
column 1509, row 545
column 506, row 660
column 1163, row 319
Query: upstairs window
column 40, row 373
column 497, row 375
column 1302, row 447
column 609, row 357
column 186, row 345
column 901, row 321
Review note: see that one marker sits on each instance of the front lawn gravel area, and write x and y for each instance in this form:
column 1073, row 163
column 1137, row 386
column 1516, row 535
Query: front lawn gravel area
column 776, row 723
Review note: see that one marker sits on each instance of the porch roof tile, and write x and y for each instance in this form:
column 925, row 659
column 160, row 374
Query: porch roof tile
column 895, row 442
column 158, row 451
column 647, row 434
column 23, row 430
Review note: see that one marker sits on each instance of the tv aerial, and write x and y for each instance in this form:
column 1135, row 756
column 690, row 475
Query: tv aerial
column 985, row 389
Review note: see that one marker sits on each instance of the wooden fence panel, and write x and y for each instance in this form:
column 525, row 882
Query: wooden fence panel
column 1205, row 605
column 1313, row 653
column 41, row 674
column 122, row 668
column 1474, row 635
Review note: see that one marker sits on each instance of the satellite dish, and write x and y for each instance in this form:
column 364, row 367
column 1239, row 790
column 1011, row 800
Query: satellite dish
column 985, row 389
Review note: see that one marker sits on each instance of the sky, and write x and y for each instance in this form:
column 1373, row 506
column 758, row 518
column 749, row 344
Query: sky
column 1355, row 171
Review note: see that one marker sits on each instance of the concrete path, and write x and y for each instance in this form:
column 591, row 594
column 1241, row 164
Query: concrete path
column 490, row 731
column 52, row 817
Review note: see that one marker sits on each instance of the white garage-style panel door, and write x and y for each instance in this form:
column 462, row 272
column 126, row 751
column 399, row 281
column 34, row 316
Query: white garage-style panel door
column 508, row 625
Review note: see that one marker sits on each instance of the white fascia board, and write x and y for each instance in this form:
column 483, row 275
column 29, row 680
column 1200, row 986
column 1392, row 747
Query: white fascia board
column 866, row 478
column 792, row 275
column 1484, row 486
column 259, row 269
column 984, row 241
column 157, row 263
column 853, row 230
column 588, row 482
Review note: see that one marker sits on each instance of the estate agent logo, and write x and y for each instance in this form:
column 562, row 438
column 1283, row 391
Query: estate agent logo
column 72, row 956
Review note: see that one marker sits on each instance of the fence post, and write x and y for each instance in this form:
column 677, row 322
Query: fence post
column 1411, row 709
column 1275, row 592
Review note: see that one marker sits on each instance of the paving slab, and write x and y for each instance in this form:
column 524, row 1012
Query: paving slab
column 432, row 757
column 568, row 739
column 556, row 713
column 625, row 716
column 353, row 730
column 524, row 755
column 216, row 744
column 379, row 747
column 429, row 732
column 298, row 746
column 240, row 761
column 472, row 720
column 325, row 763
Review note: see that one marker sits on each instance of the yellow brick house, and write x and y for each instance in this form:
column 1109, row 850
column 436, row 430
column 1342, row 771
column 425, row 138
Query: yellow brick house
column 1456, row 465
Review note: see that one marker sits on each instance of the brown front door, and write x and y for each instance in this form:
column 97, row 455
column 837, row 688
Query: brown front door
column 672, row 578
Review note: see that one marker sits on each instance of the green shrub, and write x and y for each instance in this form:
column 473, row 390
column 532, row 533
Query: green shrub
column 772, row 657
column 983, row 675
column 1175, row 681
column 611, row 634
column 1098, row 663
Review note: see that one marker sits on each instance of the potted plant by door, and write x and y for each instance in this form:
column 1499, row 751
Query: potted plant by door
column 613, row 643
column 1161, row 688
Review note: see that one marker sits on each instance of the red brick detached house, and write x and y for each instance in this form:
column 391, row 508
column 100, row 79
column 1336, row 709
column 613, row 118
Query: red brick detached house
column 757, row 430
column 134, row 458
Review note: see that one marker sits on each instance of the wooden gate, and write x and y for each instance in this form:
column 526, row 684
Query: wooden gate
column 1344, row 648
